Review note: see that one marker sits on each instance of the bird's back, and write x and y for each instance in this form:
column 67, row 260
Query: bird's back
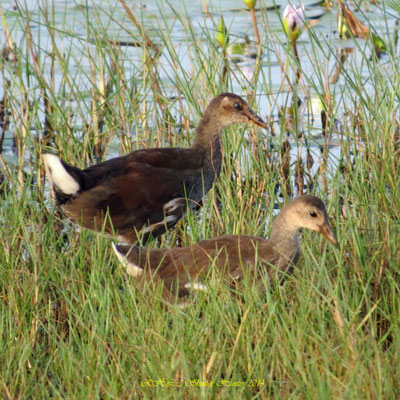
column 144, row 188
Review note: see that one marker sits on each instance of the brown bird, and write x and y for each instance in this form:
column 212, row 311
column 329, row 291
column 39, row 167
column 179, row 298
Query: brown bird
column 147, row 191
column 183, row 268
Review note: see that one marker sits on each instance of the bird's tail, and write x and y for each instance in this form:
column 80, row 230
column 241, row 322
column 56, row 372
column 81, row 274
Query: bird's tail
column 62, row 177
column 128, row 256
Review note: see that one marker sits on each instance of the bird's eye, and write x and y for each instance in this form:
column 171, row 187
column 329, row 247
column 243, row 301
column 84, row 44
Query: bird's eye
column 238, row 106
column 313, row 214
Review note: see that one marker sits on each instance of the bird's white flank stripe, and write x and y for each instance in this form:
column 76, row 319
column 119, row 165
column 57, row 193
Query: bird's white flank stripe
column 165, row 221
column 196, row 286
column 172, row 205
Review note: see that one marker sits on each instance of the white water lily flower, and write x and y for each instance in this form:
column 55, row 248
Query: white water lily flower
column 293, row 21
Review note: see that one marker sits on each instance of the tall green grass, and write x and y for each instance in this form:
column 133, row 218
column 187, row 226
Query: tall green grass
column 74, row 325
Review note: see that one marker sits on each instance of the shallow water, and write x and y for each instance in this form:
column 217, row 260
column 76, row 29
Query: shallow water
column 71, row 33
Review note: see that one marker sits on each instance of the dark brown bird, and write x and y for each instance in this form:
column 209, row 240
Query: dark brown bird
column 147, row 191
column 183, row 268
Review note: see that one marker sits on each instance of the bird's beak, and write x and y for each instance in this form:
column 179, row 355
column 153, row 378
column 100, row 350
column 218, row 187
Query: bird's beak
column 326, row 230
column 255, row 119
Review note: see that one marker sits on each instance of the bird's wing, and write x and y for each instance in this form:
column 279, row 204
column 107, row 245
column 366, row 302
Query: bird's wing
column 184, row 268
column 144, row 196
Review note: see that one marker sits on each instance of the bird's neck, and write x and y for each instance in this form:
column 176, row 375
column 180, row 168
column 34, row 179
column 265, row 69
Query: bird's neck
column 208, row 142
column 208, row 134
column 285, row 237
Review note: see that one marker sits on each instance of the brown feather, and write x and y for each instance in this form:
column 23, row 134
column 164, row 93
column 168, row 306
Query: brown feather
column 148, row 189
column 230, row 256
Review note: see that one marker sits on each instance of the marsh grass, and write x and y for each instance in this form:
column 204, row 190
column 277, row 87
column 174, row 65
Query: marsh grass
column 74, row 325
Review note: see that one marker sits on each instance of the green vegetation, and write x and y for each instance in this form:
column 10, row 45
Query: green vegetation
column 74, row 325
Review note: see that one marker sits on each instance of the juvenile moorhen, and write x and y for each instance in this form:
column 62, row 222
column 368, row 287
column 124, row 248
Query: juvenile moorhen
column 182, row 268
column 147, row 191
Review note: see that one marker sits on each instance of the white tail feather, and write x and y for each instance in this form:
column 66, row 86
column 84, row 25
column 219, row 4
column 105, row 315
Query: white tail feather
column 132, row 268
column 58, row 175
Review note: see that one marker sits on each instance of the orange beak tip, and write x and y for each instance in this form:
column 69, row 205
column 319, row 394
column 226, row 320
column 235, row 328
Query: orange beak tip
column 333, row 241
column 258, row 121
column 326, row 230
column 264, row 125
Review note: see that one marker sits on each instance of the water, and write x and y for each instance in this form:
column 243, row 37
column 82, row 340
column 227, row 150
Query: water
column 71, row 34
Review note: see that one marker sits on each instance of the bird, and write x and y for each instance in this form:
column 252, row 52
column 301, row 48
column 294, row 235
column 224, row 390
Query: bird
column 182, row 269
column 146, row 192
